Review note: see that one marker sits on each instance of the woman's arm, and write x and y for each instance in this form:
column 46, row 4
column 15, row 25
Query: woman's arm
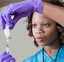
column 56, row 13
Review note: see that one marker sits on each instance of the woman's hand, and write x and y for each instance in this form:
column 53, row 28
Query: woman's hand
column 4, row 57
column 19, row 10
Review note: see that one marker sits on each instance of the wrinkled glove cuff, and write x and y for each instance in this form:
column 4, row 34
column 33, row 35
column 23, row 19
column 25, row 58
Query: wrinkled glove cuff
column 37, row 6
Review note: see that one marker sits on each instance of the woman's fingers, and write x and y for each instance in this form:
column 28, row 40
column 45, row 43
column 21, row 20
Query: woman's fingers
column 9, row 60
column 3, row 53
column 4, row 57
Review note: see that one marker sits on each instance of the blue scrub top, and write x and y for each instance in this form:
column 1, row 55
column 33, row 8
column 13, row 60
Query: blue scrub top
column 38, row 57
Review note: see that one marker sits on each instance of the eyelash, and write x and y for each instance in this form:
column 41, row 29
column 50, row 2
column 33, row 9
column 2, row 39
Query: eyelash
column 46, row 25
column 33, row 25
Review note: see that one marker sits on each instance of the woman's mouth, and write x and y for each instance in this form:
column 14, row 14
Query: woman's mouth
column 39, row 39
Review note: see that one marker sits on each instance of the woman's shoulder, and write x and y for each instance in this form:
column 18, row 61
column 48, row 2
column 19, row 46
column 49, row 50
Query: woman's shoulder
column 34, row 57
column 28, row 59
column 61, row 54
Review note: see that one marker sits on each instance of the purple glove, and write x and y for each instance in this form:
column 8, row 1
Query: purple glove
column 19, row 10
column 4, row 57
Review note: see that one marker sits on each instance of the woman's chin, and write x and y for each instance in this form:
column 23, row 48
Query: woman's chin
column 41, row 44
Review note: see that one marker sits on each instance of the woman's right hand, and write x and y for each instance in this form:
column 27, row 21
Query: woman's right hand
column 4, row 57
column 19, row 10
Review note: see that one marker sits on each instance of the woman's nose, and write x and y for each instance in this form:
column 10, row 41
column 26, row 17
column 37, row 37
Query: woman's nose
column 39, row 31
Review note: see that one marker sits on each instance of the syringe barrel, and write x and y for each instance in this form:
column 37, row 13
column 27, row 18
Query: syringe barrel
column 8, row 35
column 7, row 32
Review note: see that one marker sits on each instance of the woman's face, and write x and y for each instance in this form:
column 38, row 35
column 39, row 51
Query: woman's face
column 44, row 29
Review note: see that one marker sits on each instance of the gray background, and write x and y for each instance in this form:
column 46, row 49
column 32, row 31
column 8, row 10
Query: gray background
column 21, row 45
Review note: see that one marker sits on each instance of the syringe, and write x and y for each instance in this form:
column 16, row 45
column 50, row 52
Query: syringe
column 8, row 35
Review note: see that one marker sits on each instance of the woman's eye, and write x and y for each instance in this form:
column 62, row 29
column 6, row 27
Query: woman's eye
column 33, row 25
column 46, row 25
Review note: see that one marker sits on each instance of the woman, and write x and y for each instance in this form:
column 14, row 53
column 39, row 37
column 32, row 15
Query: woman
column 47, row 33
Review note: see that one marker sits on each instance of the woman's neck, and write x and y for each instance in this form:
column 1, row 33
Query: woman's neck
column 53, row 48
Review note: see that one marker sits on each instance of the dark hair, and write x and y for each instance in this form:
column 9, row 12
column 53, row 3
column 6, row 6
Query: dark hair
column 60, row 28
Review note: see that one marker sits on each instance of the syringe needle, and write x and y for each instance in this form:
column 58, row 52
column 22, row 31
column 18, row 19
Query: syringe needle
column 7, row 49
